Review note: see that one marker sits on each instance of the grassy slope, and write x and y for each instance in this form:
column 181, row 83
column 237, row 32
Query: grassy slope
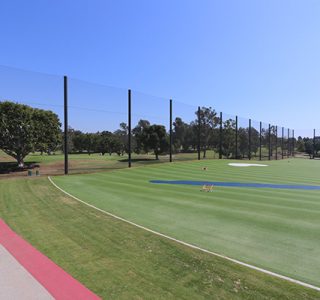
column 119, row 261
column 274, row 229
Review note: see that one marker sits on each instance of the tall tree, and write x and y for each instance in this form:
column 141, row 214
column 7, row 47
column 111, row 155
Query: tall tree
column 255, row 140
column 243, row 137
column 91, row 142
column 208, row 123
column 156, row 139
column 77, row 140
column 104, row 142
column 229, row 138
column 300, row 144
column 139, row 136
column 122, row 136
column 47, row 130
column 20, row 130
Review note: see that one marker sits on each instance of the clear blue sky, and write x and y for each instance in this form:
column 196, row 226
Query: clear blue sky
column 257, row 59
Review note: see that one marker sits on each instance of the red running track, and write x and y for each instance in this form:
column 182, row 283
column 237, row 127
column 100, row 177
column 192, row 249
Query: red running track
column 54, row 279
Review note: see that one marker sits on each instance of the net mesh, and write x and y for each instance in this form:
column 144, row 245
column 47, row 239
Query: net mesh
column 42, row 92
column 98, row 131
column 97, row 127
column 185, row 131
column 229, row 136
column 150, row 128
column 255, row 140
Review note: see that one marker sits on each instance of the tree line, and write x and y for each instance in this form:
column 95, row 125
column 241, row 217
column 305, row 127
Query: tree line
column 24, row 129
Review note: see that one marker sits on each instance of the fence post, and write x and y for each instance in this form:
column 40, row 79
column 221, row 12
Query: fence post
column 129, row 128
column 260, row 142
column 282, row 143
column 269, row 142
column 66, row 148
column 170, row 130
column 249, row 154
column 199, row 133
column 236, row 137
column 220, row 139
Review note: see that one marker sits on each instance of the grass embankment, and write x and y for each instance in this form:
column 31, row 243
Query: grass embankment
column 119, row 261
column 275, row 229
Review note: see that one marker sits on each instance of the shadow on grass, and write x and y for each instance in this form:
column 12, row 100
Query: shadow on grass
column 12, row 167
column 139, row 160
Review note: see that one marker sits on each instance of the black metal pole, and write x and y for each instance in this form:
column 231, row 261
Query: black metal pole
column 293, row 143
column 236, row 137
column 249, row 154
column 220, row 139
column 276, row 142
column 129, row 128
column 170, row 130
column 288, row 144
column 314, row 143
column 282, row 142
column 260, row 142
column 199, row 133
column 269, row 142
column 66, row 148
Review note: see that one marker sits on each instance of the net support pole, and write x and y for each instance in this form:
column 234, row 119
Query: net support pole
column 293, row 142
column 288, row 147
column 220, row 137
column 260, row 142
column 66, row 142
column 170, row 130
column 314, row 143
column 129, row 128
column 236, row 137
column 249, row 150
column 276, row 142
column 269, row 156
column 282, row 143
column 199, row 133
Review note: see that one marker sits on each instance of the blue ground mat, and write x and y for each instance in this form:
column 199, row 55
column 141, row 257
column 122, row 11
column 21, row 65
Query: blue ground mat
column 239, row 184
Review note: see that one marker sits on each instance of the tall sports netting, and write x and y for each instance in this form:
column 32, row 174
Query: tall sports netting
column 150, row 128
column 98, row 127
column 188, row 137
column 41, row 133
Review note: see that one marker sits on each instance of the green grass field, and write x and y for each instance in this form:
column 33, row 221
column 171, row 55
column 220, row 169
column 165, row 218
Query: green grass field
column 273, row 229
column 80, row 163
column 119, row 261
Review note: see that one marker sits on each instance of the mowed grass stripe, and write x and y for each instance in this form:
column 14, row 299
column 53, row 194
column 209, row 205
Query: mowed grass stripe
column 119, row 261
column 192, row 246
column 273, row 229
column 267, row 174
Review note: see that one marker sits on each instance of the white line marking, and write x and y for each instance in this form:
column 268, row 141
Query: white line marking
column 193, row 246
